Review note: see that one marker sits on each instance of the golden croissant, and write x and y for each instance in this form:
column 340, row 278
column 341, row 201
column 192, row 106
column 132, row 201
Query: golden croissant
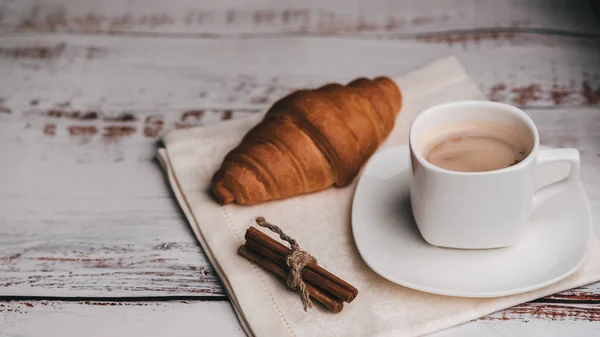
column 308, row 141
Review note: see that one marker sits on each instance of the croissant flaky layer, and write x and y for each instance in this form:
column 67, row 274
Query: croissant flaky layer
column 308, row 141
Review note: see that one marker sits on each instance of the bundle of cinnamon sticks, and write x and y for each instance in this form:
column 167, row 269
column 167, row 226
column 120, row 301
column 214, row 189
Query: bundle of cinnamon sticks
column 322, row 286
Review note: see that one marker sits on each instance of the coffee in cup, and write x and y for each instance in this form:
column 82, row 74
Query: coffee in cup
column 476, row 147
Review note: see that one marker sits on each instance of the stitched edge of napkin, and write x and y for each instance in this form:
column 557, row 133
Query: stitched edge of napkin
column 163, row 159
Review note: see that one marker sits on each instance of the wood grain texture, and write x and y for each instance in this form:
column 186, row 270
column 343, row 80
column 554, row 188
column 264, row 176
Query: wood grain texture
column 92, row 218
column 554, row 312
column 155, row 84
column 533, row 320
column 197, row 318
column 212, row 18
column 85, row 210
column 101, row 318
column 590, row 293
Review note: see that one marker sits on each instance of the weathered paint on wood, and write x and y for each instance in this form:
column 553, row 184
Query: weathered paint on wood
column 197, row 318
column 590, row 293
column 84, row 209
column 554, row 312
column 100, row 318
column 113, row 87
column 53, row 267
column 267, row 17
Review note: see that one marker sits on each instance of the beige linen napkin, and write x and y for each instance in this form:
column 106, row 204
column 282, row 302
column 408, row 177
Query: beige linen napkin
column 321, row 224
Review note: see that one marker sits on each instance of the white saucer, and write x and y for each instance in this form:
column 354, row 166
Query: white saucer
column 554, row 245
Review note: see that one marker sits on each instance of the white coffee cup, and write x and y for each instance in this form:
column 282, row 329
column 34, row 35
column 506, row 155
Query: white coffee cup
column 476, row 210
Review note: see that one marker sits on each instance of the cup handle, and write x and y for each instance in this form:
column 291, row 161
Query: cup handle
column 548, row 156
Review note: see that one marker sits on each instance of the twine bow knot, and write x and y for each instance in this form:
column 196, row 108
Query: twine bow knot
column 297, row 260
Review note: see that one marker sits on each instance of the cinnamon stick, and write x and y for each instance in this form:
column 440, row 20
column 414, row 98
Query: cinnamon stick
column 308, row 275
column 263, row 239
column 329, row 302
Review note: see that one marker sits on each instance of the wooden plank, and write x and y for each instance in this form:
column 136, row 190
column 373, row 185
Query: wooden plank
column 91, row 217
column 97, row 318
column 553, row 312
column 532, row 320
column 84, row 206
column 588, row 293
column 193, row 318
column 268, row 17
column 116, row 77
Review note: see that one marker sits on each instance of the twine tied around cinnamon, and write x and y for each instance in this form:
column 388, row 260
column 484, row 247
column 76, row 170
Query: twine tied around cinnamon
column 297, row 260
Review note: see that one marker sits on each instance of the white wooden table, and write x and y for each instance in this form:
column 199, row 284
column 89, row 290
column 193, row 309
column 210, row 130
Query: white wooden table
column 91, row 240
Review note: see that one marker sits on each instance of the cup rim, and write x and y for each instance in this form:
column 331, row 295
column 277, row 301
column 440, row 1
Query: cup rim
column 507, row 107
